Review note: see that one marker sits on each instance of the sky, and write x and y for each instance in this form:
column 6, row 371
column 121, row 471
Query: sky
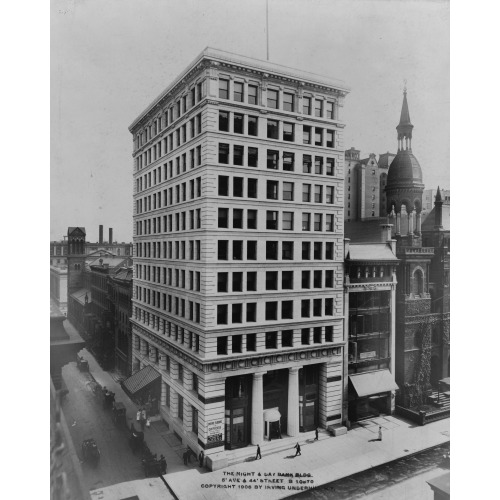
column 110, row 59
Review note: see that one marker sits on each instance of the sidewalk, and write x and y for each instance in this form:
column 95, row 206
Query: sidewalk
column 326, row 460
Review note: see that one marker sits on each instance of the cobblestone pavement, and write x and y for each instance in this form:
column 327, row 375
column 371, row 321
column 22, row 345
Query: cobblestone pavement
column 403, row 479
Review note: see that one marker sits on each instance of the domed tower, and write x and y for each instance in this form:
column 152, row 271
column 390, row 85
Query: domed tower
column 405, row 185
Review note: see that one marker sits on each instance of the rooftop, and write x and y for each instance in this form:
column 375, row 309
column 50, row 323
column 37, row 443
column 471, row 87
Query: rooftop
column 371, row 251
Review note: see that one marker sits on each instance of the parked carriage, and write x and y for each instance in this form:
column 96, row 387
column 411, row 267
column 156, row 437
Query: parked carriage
column 136, row 439
column 108, row 399
column 90, row 452
column 154, row 467
column 119, row 414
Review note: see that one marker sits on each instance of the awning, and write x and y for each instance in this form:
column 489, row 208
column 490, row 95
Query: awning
column 366, row 384
column 140, row 379
column 272, row 415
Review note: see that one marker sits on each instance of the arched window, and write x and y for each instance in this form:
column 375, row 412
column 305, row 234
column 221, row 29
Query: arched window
column 418, row 282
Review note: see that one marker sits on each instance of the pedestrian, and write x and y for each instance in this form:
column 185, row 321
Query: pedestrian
column 297, row 447
column 379, row 433
column 163, row 464
column 186, row 457
column 148, row 423
column 143, row 415
column 200, row 458
column 258, row 453
column 316, row 434
column 138, row 415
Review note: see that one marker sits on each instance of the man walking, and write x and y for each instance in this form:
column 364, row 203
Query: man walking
column 297, row 447
column 258, row 453
column 201, row 457
column 316, row 435
column 379, row 433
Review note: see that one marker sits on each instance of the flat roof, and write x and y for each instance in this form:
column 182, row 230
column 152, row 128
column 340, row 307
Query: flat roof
column 250, row 62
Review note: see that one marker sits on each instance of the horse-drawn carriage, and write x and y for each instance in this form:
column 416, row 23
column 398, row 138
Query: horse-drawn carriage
column 136, row 439
column 119, row 414
column 153, row 466
column 82, row 364
column 90, row 452
column 108, row 399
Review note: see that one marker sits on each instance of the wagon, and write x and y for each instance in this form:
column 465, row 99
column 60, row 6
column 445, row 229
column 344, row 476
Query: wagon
column 90, row 452
column 119, row 414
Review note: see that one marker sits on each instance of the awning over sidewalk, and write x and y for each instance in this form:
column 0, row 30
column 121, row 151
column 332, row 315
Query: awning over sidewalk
column 366, row 384
column 141, row 379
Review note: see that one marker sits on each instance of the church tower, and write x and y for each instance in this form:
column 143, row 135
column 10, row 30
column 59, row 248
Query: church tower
column 405, row 185
column 76, row 258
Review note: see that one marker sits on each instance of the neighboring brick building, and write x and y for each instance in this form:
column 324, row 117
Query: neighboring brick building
column 238, row 261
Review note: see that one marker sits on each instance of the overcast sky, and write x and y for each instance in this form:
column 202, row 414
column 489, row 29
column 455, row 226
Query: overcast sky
column 111, row 58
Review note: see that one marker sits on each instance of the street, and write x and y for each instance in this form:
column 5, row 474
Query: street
column 403, row 479
column 87, row 419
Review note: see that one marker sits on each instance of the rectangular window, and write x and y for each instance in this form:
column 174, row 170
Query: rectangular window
column 251, row 281
column 288, row 161
column 222, row 315
column 318, row 165
column 329, row 333
column 288, row 102
column 288, row 221
column 329, row 307
column 317, row 335
column 330, row 194
column 288, row 132
column 221, row 344
column 306, row 222
column 318, row 222
column 330, row 139
column 271, row 219
column 287, row 250
column 237, row 342
column 238, row 152
column 223, row 185
column 238, row 91
column 272, row 98
column 223, row 89
column 252, row 219
column 252, row 125
column 272, row 159
column 271, row 280
column 222, row 282
column 306, row 250
column 318, row 136
column 272, row 129
column 222, row 249
column 238, row 218
column 253, row 155
column 329, row 222
column 223, row 217
column 272, row 190
column 237, row 250
column 271, row 250
column 288, row 191
column 330, row 110
column 318, row 108
column 305, row 305
column 252, row 187
column 329, row 250
column 318, row 247
column 287, row 280
column 287, row 309
column 287, row 338
column 306, row 279
column 236, row 313
column 224, row 153
column 252, row 94
column 304, row 336
column 317, row 307
column 306, row 134
column 317, row 279
column 318, row 193
column 180, row 413
column 329, row 279
column 251, row 250
column 271, row 311
column 238, row 123
column 251, row 318
column 306, row 105
column 307, row 164
column 238, row 187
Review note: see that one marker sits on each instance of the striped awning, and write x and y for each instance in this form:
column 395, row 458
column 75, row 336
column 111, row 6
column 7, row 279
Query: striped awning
column 141, row 379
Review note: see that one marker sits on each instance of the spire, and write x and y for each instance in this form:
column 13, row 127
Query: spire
column 438, row 210
column 405, row 127
column 438, row 196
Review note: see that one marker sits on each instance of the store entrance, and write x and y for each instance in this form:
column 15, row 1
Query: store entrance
column 237, row 408
column 308, row 398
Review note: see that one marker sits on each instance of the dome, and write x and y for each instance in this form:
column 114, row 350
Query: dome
column 404, row 169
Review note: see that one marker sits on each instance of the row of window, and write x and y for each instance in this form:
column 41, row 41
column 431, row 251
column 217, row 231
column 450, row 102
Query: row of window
column 315, row 279
column 170, row 196
column 170, row 169
column 284, row 309
column 175, row 139
column 275, row 160
column 190, row 280
column 276, row 99
column 275, row 340
column 180, row 221
column 314, row 249
column 184, row 250
column 174, row 305
column 175, row 111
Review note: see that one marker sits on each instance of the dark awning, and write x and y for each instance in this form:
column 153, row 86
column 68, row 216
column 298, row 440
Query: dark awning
column 366, row 384
column 141, row 379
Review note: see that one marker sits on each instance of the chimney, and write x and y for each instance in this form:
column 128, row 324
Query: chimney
column 386, row 230
column 110, row 235
column 101, row 237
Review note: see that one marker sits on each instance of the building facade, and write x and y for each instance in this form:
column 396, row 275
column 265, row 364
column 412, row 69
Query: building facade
column 370, row 315
column 238, row 251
